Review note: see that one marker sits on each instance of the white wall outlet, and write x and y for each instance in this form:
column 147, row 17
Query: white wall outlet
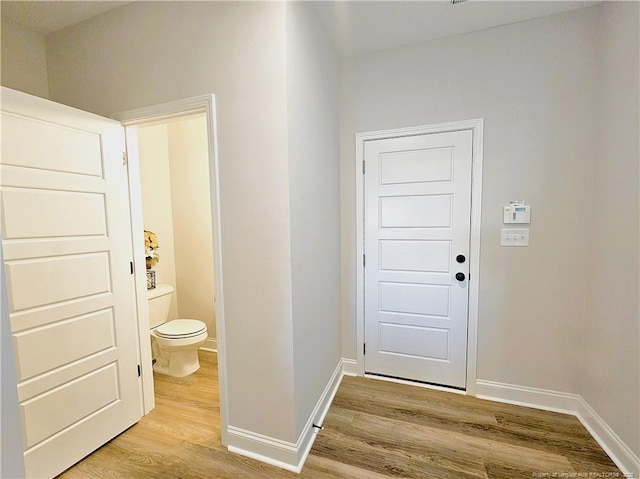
column 514, row 237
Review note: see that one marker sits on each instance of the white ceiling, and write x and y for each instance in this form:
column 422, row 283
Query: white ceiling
column 358, row 27
column 355, row 26
column 48, row 16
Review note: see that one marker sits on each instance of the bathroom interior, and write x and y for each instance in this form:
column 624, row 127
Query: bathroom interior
column 174, row 169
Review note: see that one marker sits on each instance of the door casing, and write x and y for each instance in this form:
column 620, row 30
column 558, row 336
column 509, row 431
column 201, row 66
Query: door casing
column 476, row 126
column 201, row 104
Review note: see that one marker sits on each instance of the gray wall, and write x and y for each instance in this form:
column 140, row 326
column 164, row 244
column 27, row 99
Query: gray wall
column 11, row 457
column 274, row 74
column 610, row 373
column 314, row 185
column 534, row 85
column 23, row 60
column 147, row 53
column 559, row 96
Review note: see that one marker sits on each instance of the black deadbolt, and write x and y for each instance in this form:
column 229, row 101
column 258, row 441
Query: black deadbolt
column 460, row 276
column 460, row 258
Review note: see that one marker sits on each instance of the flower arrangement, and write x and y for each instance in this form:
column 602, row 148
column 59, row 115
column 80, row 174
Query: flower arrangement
column 151, row 248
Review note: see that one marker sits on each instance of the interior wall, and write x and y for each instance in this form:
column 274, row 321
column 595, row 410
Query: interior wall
column 11, row 437
column 147, row 53
column 534, row 84
column 611, row 368
column 23, row 63
column 191, row 207
column 157, row 210
column 314, row 186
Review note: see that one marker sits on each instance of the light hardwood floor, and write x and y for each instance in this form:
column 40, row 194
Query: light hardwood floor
column 374, row 430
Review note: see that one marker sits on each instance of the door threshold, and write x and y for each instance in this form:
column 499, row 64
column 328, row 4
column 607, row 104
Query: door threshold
column 415, row 382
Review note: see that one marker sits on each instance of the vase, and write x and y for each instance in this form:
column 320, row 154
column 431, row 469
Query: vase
column 151, row 279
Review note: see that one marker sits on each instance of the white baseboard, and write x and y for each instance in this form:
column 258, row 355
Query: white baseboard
column 317, row 416
column 349, row 367
column 263, row 448
column 529, row 397
column 618, row 451
column 210, row 344
column 283, row 454
column 567, row 403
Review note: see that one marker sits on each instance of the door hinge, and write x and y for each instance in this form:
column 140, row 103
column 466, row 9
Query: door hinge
column 131, row 266
column 124, row 158
column 363, row 168
column 364, row 260
column 139, row 370
column 364, row 348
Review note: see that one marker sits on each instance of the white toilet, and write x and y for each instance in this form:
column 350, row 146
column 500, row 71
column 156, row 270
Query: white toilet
column 174, row 343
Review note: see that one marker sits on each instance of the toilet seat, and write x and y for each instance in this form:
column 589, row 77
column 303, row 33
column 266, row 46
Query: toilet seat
column 180, row 329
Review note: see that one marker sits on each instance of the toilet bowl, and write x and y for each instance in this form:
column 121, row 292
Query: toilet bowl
column 174, row 344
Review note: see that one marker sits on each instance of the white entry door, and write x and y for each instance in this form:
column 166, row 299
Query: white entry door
column 67, row 249
column 417, row 232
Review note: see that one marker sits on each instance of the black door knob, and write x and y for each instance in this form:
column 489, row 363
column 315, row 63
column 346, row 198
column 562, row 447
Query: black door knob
column 460, row 258
column 460, row 276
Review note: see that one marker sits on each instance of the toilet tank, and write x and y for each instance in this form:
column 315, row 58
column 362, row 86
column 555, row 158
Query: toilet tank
column 159, row 303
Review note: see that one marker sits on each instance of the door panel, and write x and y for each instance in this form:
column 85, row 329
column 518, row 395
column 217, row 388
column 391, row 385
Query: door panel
column 416, row 166
column 71, row 402
column 429, row 343
column 425, row 299
column 417, row 219
column 52, row 214
column 67, row 249
column 63, row 374
column 409, row 255
column 49, row 347
column 73, row 150
column 43, row 281
column 433, row 211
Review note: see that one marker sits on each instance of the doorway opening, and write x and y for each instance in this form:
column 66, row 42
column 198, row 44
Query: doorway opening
column 174, row 190
column 176, row 210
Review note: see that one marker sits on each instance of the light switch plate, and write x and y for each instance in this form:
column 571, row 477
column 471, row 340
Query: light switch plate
column 514, row 237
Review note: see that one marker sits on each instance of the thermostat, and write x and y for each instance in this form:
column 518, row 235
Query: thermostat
column 517, row 212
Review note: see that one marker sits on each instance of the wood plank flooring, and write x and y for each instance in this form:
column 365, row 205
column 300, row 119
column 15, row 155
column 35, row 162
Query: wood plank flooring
column 374, row 430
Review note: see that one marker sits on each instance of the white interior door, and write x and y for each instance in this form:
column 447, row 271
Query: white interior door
column 417, row 229
column 67, row 250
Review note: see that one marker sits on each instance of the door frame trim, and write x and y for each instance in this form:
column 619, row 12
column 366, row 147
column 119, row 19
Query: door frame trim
column 476, row 126
column 200, row 104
